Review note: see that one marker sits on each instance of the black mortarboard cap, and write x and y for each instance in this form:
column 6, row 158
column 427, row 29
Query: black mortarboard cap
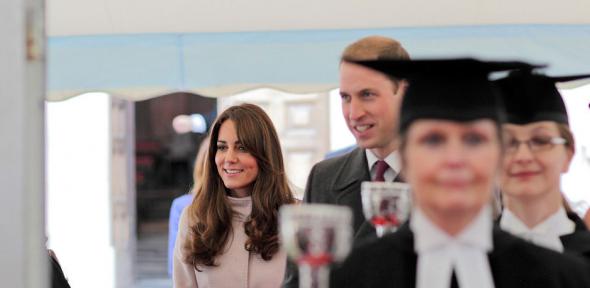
column 531, row 97
column 450, row 89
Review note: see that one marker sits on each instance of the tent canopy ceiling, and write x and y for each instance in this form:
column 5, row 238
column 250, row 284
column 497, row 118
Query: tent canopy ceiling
column 214, row 64
column 91, row 17
column 141, row 49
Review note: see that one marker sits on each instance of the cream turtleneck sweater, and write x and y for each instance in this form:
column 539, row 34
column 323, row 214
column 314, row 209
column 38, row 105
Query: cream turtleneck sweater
column 237, row 268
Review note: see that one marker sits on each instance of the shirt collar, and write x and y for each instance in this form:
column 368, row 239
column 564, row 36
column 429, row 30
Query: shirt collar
column 428, row 236
column 545, row 234
column 439, row 254
column 393, row 160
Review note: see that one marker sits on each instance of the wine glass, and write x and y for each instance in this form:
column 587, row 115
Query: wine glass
column 386, row 205
column 315, row 236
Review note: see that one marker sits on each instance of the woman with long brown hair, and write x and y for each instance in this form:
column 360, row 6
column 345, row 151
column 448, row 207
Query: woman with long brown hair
column 228, row 236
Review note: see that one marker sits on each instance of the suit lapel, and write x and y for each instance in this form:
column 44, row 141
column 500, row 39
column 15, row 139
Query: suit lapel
column 355, row 169
column 347, row 183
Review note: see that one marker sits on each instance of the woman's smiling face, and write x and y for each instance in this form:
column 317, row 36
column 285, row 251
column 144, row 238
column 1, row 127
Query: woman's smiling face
column 236, row 166
column 533, row 170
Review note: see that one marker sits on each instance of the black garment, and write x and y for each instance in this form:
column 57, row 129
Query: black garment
column 579, row 241
column 454, row 282
column 391, row 262
column 58, row 279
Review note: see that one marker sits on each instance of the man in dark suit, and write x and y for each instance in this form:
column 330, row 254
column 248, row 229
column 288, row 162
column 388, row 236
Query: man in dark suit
column 370, row 106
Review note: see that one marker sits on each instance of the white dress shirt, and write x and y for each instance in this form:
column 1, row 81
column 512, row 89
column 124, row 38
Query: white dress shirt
column 392, row 160
column 545, row 234
column 440, row 253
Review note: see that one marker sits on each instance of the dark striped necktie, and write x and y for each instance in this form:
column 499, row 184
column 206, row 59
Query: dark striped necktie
column 380, row 168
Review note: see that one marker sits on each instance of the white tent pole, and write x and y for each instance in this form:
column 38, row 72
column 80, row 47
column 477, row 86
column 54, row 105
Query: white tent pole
column 23, row 262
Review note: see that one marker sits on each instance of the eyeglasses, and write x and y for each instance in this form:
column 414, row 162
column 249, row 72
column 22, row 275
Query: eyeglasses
column 535, row 144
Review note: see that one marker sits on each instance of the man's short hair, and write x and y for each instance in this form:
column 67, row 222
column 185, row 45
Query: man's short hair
column 375, row 48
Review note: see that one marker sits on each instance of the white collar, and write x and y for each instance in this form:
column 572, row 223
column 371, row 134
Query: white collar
column 544, row 234
column 439, row 253
column 429, row 236
column 393, row 160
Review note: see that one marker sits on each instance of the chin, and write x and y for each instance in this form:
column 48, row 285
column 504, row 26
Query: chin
column 371, row 143
column 459, row 205
column 364, row 143
column 524, row 193
column 232, row 186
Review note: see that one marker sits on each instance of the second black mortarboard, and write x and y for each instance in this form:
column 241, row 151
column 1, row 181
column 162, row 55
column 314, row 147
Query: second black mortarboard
column 531, row 97
column 450, row 89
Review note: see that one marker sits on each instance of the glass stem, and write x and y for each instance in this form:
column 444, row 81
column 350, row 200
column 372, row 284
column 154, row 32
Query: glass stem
column 314, row 276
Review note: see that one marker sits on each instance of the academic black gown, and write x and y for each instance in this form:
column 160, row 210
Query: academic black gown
column 579, row 241
column 576, row 243
column 391, row 262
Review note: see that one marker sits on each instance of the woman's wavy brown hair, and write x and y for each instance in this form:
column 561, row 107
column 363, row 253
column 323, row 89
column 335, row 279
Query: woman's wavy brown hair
column 210, row 214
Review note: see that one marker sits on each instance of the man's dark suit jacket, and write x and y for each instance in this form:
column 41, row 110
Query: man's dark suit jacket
column 338, row 181
column 335, row 181
column 391, row 262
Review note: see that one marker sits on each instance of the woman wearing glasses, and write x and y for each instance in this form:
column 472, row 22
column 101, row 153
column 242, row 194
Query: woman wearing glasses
column 451, row 151
column 538, row 149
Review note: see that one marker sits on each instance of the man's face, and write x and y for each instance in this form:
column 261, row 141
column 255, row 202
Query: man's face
column 370, row 105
